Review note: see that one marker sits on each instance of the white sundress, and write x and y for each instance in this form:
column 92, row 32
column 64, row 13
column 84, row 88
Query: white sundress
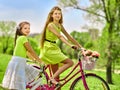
column 18, row 74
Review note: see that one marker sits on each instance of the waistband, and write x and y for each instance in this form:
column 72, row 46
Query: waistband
column 50, row 41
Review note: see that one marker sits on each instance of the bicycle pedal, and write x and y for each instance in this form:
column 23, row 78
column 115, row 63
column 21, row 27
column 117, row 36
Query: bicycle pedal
column 57, row 86
column 50, row 83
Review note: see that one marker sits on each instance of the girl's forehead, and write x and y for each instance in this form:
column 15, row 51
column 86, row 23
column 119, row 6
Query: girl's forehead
column 57, row 11
column 26, row 25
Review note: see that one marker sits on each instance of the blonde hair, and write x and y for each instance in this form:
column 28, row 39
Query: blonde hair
column 50, row 19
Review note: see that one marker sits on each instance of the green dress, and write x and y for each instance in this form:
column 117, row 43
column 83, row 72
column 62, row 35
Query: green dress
column 20, row 50
column 51, row 53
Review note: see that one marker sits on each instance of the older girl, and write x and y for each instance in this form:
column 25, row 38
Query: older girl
column 50, row 52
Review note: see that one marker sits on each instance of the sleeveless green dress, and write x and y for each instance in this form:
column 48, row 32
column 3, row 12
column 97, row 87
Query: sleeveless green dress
column 51, row 53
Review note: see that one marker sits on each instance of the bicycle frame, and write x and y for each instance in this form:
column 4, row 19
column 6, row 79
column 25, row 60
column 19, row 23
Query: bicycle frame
column 65, row 79
column 83, row 77
column 68, row 77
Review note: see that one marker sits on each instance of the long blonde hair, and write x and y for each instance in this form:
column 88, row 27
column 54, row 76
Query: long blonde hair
column 50, row 19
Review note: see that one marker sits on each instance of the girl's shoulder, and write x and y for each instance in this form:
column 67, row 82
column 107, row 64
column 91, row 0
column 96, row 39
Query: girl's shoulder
column 51, row 24
column 22, row 37
column 54, row 25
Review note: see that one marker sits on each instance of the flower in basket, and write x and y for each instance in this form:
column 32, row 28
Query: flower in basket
column 95, row 54
column 88, row 52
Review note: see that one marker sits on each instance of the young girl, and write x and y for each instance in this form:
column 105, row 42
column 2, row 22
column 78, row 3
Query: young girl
column 50, row 52
column 18, row 73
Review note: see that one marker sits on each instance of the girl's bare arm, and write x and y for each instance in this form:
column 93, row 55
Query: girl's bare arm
column 32, row 52
column 69, row 37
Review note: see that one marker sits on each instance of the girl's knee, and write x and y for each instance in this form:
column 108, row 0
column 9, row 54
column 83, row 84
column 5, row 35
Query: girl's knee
column 72, row 63
column 69, row 62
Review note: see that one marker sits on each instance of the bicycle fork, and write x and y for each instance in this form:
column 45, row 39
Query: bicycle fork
column 83, row 77
column 84, row 81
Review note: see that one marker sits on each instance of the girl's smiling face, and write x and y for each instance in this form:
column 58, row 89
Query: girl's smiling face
column 56, row 15
column 25, row 29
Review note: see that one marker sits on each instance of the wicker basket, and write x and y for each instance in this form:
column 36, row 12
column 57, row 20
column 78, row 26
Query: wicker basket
column 88, row 63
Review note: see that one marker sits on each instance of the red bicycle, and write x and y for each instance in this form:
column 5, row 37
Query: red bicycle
column 83, row 81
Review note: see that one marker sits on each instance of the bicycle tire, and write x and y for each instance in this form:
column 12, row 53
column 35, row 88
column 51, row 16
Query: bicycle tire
column 94, row 82
column 44, row 76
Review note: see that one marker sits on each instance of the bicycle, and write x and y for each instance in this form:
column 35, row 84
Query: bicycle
column 84, row 81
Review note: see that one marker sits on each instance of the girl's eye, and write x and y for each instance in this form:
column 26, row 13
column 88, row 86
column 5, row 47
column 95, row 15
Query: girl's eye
column 55, row 13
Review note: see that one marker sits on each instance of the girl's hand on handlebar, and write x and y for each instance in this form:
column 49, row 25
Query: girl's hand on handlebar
column 74, row 47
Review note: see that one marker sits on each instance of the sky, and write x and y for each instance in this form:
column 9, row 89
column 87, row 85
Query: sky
column 36, row 12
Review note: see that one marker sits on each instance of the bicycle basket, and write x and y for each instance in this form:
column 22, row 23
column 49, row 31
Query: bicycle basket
column 88, row 63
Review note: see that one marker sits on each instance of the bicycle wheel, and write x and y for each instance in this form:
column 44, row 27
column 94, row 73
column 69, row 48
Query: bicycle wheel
column 44, row 76
column 94, row 82
column 39, row 83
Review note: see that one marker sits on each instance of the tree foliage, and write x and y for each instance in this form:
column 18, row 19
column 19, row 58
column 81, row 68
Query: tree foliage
column 107, row 11
column 6, row 31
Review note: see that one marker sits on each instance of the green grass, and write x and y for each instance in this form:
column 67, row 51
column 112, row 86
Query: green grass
column 4, row 59
column 115, row 78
